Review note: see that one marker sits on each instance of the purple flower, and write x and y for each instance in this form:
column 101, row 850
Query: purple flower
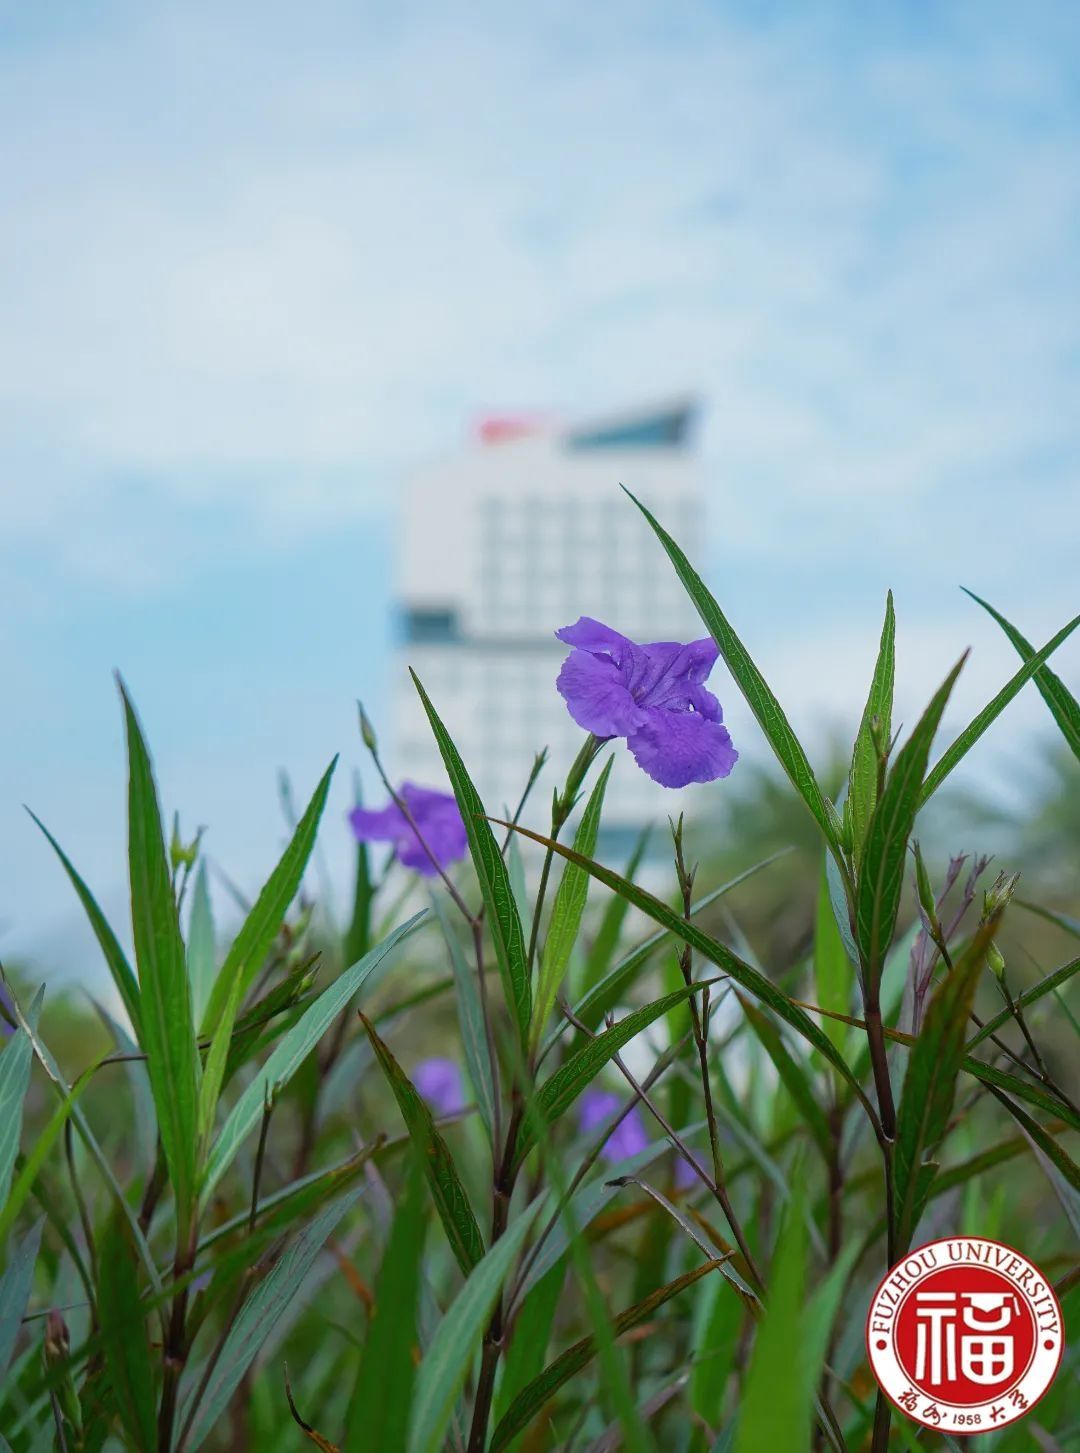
column 626, row 1139
column 439, row 1081
column 653, row 696
column 435, row 814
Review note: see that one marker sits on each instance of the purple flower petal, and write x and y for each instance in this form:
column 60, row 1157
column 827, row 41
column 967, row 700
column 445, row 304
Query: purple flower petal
column 629, row 1135
column 439, row 1081
column 596, row 696
column 438, row 818
column 653, row 695
column 679, row 747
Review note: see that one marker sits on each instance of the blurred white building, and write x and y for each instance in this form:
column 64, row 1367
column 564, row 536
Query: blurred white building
column 507, row 541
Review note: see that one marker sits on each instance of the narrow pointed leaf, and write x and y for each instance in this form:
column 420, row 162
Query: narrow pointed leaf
column 124, row 1335
column 1054, row 1151
column 291, row 1051
column 16, row 1057
column 863, row 778
column 558, row 1093
column 568, row 908
column 450, row 1353
column 1045, row 986
column 778, row 732
column 930, row 1084
column 447, row 1191
column 258, row 1316
column 531, row 1334
column 378, row 1415
column 202, row 945
column 471, row 1020
column 833, row 975
column 974, row 730
column 15, row 1284
column 123, row 976
column 503, row 918
column 168, row 1032
column 543, row 1388
column 250, row 947
column 1063, row 705
column 881, row 877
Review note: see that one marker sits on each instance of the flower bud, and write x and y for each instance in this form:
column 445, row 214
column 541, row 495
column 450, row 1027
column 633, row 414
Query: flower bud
column 367, row 731
column 999, row 894
column 57, row 1339
column 995, row 959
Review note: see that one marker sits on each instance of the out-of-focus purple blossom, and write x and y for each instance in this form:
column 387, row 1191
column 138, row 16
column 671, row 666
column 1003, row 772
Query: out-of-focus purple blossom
column 439, row 1081
column 686, row 1177
column 437, row 817
column 653, row 695
column 626, row 1139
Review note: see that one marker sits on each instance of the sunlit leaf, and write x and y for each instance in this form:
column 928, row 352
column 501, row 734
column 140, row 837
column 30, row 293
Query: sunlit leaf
column 876, row 722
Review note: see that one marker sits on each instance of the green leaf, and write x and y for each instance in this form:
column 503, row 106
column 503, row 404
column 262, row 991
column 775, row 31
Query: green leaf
column 795, row 1077
column 450, row 1353
column 930, row 1084
column 358, row 934
column 378, row 1415
column 530, row 1337
column 291, row 1052
column 123, row 1334
column 504, row 922
column 122, row 973
column 604, row 945
column 559, row 1092
column 447, row 1191
column 718, row 1324
column 16, row 1057
column 881, row 877
column 1064, row 707
column 540, row 1391
column 257, row 1319
column 168, row 1033
column 471, row 1020
column 752, row 684
column 717, row 953
column 993, row 709
column 250, row 947
column 1047, row 1143
column 863, row 778
column 776, row 1406
column 201, row 948
column 567, row 911
column 832, row 967
column 44, row 1141
column 15, row 1286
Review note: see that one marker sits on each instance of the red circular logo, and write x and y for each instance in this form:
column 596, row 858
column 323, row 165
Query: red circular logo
column 964, row 1335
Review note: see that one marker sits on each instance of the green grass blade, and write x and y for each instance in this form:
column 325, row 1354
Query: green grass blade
column 833, row 973
column 770, row 715
column 250, row 947
column 542, row 1389
column 123, row 976
column 959, row 749
column 863, row 777
column 719, row 954
column 881, row 876
column 567, row 910
column 257, row 1318
column 16, row 1057
column 378, row 1415
column 168, row 1032
column 530, row 1337
column 603, row 947
column 558, row 1093
column 930, row 1084
column 202, row 945
column 504, row 921
column 15, row 1286
column 1064, row 707
column 1050, row 1146
column 358, row 934
column 44, row 1141
column 776, row 1406
column 124, row 1336
column 450, row 1353
column 290, row 1053
column 447, row 1191
column 471, row 1019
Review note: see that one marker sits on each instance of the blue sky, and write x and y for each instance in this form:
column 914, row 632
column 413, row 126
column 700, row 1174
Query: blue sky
column 257, row 260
